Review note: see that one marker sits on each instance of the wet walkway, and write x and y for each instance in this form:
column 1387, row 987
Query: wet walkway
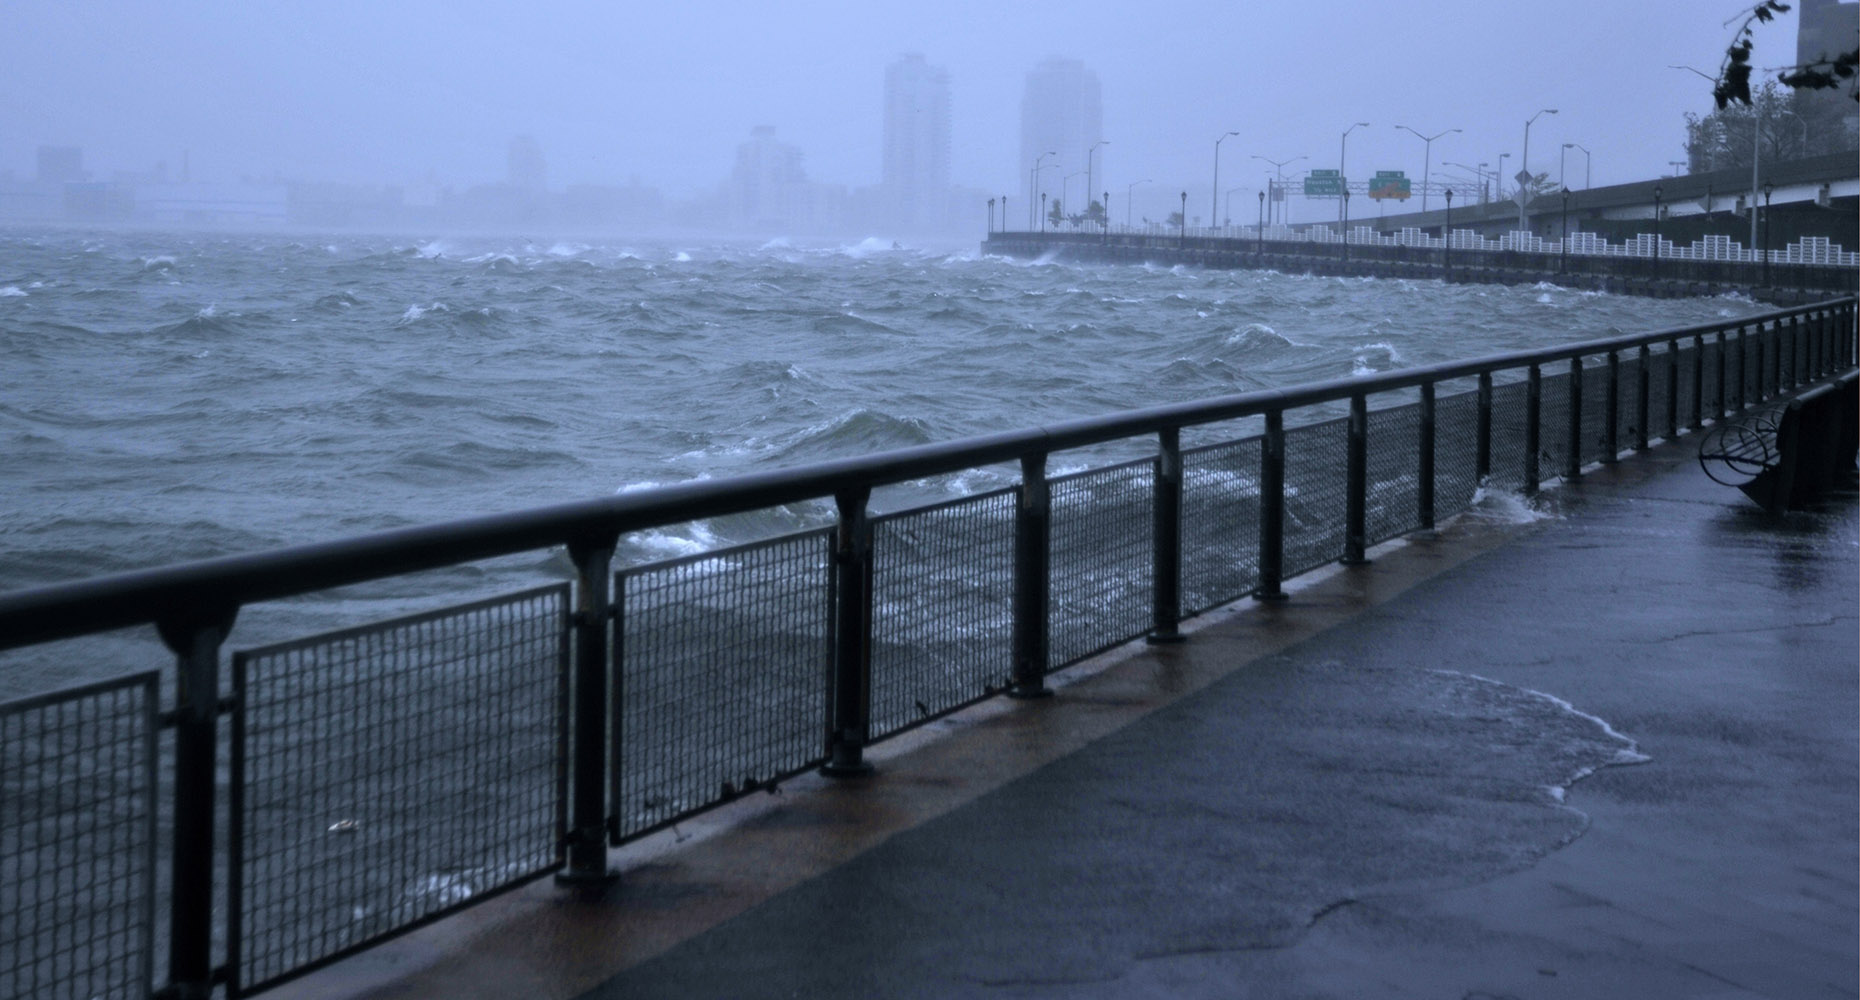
column 1613, row 752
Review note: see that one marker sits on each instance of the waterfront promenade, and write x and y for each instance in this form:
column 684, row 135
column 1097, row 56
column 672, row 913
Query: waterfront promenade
column 1351, row 793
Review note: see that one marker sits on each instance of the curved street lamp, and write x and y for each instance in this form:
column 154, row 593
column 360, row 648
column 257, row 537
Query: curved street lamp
column 1033, row 187
column 1767, row 188
column 1586, row 162
column 1127, row 189
column 1524, row 167
column 1262, row 224
column 1278, row 170
column 1214, row 215
column 1088, row 185
column 1343, row 178
column 1446, row 239
column 1427, row 156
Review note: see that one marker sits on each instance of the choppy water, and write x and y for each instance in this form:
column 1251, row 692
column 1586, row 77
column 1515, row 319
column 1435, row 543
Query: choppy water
column 167, row 396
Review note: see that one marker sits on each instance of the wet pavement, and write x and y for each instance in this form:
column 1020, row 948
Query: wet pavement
column 1614, row 751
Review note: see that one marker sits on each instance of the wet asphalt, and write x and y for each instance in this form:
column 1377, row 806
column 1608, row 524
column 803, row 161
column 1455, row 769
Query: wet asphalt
column 1614, row 752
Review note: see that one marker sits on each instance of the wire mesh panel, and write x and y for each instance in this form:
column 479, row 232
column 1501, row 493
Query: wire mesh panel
column 722, row 663
column 1456, row 452
column 1101, row 564
column 1392, row 503
column 1553, row 424
column 1711, row 396
column 77, row 841
column 387, row 774
column 1316, row 481
column 1509, row 402
column 942, row 608
column 1220, row 524
column 1595, row 409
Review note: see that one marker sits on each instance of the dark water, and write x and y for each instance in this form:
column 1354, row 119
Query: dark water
column 176, row 396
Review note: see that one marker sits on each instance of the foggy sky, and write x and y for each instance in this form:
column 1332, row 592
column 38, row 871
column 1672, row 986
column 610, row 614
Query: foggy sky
column 395, row 92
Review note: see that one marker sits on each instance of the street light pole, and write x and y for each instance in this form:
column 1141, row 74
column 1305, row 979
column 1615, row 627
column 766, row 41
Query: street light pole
column 1446, row 239
column 1088, row 155
column 1214, row 216
column 1498, row 178
column 1127, row 189
column 1182, row 234
column 1586, row 164
column 1565, row 267
column 1262, row 224
column 1228, row 219
column 1343, row 177
column 1427, row 155
column 1346, row 224
column 1278, row 167
column 1767, row 188
column 1657, row 191
column 1524, row 167
column 1033, row 189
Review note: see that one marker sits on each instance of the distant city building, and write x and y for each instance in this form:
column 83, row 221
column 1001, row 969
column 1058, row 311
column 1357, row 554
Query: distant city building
column 916, row 156
column 527, row 170
column 61, row 164
column 768, row 186
column 1062, row 113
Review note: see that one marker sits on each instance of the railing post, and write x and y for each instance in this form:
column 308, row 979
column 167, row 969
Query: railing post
column 1698, row 382
column 1572, row 463
column 586, row 835
column 1533, row 420
column 1645, row 380
column 1743, row 367
column 1672, row 389
column 1033, row 524
column 195, row 641
column 1166, row 540
column 1761, row 380
column 1724, row 345
column 1272, row 509
column 1424, row 462
column 1483, row 460
column 1356, row 486
column 852, row 630
column 1611, row 411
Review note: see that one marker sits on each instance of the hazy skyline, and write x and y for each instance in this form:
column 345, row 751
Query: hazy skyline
column 392, row 93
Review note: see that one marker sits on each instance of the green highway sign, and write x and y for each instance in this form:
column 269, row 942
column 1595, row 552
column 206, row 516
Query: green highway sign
column 1389, row 184
column 1323, row 184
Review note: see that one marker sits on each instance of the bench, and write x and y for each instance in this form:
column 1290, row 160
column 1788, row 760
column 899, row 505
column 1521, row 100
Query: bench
column 1788, row 451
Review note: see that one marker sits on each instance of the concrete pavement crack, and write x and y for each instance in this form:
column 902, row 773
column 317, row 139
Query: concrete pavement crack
column 1786, row 626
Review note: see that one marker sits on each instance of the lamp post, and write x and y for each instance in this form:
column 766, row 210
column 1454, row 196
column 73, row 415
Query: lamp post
column 1657, row 191
column 1478, row 171
column 1767, row 188
column 1586, row 164
column 1343, row 178
column 1105, row 203
column 1262, row 224
column 1127, row 189
column 1228, row 219
column 1498, row 178
column 1088, row 156
column 1446, row 239
column 1427, row 156
column 1214, row 216
column 1565, row 264
column 991, row 216
column 1004, row 215
column 1033, row 187
column 1043, row 213
column 1524, row 167
column 1182, row 235
column 1346, row 224
column 1278, row 170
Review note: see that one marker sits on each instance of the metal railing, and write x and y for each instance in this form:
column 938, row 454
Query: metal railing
column 380, row 777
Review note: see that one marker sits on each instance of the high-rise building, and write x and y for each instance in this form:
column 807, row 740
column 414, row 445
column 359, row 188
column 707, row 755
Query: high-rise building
column 1826, row 29
column 1061, row 113
column 916, row 160
column 768, row 185
column 526, row 169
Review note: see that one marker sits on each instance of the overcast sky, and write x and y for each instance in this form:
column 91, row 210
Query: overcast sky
column 390, row 91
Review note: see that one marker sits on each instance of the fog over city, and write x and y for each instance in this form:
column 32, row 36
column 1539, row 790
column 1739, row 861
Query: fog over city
column 661, row 96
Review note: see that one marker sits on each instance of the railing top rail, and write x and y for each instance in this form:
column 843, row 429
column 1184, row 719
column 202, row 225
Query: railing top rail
column 202, row 591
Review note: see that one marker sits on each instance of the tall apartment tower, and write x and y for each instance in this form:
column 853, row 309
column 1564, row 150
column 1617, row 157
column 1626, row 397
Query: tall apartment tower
column 525, row 167
column 916, row 165
column 1061, row 113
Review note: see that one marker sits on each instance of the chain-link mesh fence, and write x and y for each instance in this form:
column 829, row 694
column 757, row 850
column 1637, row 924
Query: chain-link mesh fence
column 77, row 841
column 942, row 608
column 1456, row 452
column 1391, row 505
column 1220, row 523
column 722, row 663
column 1509, row 407
column 1316, row 483
column 1595, row 409
column 386, row 774
column 1102, row 533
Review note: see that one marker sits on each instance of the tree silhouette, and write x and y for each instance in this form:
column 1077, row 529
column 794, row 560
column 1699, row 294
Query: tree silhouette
column 1822, row 73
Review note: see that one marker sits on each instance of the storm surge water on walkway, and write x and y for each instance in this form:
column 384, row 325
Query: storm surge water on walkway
column 167, row 397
